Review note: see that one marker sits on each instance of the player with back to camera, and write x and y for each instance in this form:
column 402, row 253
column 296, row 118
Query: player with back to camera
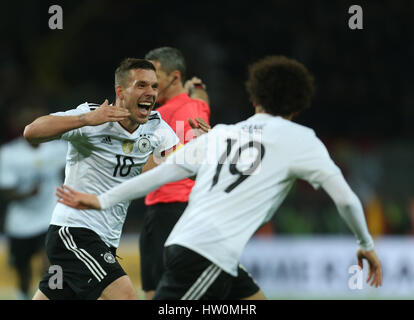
column 107, row 145
column 244, row 172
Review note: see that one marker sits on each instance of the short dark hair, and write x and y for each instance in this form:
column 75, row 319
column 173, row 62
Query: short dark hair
column 170, row 58
column 282, row 86
column 122, row 72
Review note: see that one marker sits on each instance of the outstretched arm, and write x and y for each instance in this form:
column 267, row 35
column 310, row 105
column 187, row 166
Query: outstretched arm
column 50, row 127
column 351, row 211
column 132, row 189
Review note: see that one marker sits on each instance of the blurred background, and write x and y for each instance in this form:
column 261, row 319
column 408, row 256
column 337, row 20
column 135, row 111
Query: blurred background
column 363, row 112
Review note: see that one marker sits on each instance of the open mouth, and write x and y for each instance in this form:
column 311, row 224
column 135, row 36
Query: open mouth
column 144, row 108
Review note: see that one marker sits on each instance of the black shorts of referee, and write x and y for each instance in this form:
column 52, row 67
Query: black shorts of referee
column 190, row 276
column 87, row 265
column 160, row 219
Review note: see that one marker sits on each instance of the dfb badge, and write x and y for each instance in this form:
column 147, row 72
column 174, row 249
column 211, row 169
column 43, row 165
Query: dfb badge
column 109, row 257
column 144, row 145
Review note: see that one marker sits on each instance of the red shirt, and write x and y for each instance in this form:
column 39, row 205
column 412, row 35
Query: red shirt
column 176, row 112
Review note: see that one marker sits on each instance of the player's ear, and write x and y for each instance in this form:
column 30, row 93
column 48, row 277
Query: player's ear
column 119, row 90
column 176, row 75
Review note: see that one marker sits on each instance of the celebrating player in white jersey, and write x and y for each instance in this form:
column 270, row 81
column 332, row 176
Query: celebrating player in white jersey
column 107, row 145
column 244, row 172
column 29, row 175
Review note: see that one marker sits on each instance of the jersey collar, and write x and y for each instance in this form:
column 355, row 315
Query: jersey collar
column 124, row 130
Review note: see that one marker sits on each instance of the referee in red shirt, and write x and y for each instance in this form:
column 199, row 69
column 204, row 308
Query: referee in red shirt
column 166, row 204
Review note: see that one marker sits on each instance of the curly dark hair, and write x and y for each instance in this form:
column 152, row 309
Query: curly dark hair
column 282, row 86
column 122, row 72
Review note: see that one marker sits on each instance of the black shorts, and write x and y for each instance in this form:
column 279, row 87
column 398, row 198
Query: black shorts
column 158, row 223
column 190, row 276
column 23, row 249
column 88, row 265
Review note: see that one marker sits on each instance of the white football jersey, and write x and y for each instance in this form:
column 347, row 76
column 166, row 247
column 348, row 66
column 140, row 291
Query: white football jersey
column 244, row 172
column 101, row 157
column 22, row 168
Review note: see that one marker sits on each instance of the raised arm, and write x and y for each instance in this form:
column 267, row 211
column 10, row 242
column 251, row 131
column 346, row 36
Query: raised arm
column 51, row 127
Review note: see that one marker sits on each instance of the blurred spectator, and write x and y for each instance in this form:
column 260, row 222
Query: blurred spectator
column 29, row 175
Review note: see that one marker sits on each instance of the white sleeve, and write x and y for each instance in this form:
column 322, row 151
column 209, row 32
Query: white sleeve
column 183, row 163
column 312, row 162
column 193, row 154
column 141, row 185
column 350, row 209
column 166, row 137
column 81, row 109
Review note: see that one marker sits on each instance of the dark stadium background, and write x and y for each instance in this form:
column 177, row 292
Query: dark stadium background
column 363, row 109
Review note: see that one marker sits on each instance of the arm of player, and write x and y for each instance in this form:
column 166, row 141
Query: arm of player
column 141, row 185
column 182, row 164
column 199, row 128
column 150, row 164
column 51, row 127
column 351, row 211
column 134, row 188
column 154, row 161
